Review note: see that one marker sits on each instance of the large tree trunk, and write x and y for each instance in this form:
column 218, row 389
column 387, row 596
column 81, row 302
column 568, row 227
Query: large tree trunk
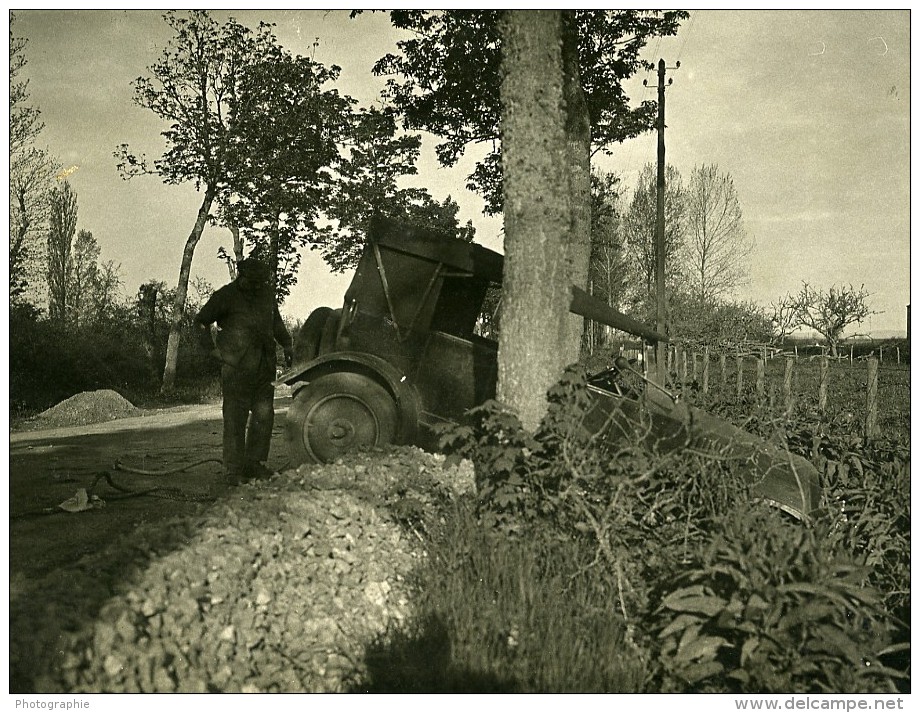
column 185, row 269
column 578, row 136
column 535, row 341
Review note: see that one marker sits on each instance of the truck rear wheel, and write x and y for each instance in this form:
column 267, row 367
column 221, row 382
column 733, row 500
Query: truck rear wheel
column 309, row 336
column 337, row 414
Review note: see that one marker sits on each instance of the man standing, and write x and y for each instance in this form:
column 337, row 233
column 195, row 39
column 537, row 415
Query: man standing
column 248, row 325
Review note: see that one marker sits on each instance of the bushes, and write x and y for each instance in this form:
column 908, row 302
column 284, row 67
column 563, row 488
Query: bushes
column 771, row 606
column 51, row 361
column 696, row 587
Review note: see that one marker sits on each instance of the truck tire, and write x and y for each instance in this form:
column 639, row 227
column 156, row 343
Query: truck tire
column 337, row 414
column 307, row 341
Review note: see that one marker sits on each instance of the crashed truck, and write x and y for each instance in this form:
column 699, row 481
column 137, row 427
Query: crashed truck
column 402, row 355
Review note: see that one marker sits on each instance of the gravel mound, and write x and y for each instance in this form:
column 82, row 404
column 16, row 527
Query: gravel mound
column 281, row 588
column 88, row 407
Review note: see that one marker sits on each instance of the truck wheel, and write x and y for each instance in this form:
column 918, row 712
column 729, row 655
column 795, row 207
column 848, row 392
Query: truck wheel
column 307, row 342
column 337, row 414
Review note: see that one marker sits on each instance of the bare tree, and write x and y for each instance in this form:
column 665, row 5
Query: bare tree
column 829, row 313
column 84, row 269
column 717, row 247
column 61, row 228
column 782, row 319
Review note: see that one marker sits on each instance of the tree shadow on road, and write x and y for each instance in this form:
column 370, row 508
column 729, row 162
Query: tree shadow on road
column 65, row 566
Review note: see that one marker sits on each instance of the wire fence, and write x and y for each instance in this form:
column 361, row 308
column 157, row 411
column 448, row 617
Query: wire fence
column 874, row 387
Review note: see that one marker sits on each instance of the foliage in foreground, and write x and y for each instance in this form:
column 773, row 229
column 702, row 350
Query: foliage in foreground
column 669, row 576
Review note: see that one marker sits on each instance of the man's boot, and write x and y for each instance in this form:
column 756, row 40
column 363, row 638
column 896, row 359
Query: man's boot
column 258, row 471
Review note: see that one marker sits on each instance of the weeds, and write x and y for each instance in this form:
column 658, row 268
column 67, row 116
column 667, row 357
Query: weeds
column 584, row 567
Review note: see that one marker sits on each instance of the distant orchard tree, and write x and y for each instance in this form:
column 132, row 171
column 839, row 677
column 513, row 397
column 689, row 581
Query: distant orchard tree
column 830, row 312
column 721, row 322
column 84, row 269
column 717, row 247
column 782, row 319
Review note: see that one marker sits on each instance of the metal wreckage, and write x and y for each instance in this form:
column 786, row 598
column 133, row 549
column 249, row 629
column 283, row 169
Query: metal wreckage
column 401, row 355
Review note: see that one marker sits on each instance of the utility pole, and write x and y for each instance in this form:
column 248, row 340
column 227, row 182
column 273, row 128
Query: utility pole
column 661, row 310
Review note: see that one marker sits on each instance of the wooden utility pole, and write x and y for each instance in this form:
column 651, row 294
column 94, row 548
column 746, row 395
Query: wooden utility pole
column 661, row 310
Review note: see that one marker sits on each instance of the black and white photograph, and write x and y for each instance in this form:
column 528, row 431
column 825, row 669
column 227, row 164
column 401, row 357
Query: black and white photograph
column 460, row 351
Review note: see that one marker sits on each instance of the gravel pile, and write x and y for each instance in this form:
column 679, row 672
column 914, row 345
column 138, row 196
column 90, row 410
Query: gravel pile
column 88, row 407
column 281, row 589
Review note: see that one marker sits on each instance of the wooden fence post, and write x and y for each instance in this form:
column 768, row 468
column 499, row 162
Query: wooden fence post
column 822, row 385
column 851, row 355
column 705, row 370
column 897, row 354
column 683, row 369
column 722, row 371
column 761, row 367
column 787, row 386
column 695, row 370
column 738, row 363
column 872, row 399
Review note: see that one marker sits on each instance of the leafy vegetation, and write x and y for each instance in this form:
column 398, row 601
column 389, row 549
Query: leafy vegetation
column 664, row 561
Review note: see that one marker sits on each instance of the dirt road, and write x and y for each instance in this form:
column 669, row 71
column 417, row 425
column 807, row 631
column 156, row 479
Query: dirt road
column 49, row 466
column 65, row 564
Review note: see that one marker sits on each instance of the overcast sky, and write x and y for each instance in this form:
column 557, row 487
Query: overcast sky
column 808, row 111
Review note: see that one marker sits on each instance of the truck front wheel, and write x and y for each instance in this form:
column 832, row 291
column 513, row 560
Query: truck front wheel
column 339, row 413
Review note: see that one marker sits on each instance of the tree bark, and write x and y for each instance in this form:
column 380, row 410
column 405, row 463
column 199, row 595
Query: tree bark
column 578, row 136
column 237, row 249
column 185, row 269
column 535, row 340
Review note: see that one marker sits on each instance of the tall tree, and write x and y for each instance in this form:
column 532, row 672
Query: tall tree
column 830, row 312
column 717, row 247
column 449, row 80
column 25, row 120
column 535, row 340
column 639, row 235
column 446, row 78
column 61, row 228
column 285, row 141
column 607, row 279
column 31, row 183
column 31, row 178
column 375, row 158
column 92, row 286
column 195, row 88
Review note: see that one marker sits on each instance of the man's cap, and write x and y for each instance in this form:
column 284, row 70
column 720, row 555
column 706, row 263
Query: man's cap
column 250, row 267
